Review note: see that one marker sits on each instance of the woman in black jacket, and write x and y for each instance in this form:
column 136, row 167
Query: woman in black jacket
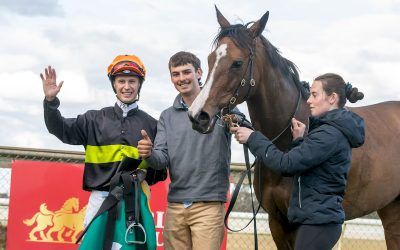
column 319, row 162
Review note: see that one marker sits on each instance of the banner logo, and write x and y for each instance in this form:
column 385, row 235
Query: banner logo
column 63, row 225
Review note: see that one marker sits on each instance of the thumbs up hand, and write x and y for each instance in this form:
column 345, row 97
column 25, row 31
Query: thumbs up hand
column 145, row 145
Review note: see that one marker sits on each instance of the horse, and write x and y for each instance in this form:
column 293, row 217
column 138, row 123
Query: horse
column 245, row 66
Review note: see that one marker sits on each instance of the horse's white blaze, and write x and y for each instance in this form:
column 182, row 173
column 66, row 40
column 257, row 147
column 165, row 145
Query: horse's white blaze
column 200, row 100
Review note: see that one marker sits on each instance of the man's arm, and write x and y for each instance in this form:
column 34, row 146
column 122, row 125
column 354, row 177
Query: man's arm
column 67, row 130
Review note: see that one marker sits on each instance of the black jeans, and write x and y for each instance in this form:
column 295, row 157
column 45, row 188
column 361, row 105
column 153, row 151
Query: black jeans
column 317, row 237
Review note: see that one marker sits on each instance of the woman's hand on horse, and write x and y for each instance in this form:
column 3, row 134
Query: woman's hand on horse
column 297, row 128
column 242, row 134
column 145, row 145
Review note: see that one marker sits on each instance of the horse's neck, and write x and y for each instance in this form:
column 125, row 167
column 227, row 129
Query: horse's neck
column 271, row 106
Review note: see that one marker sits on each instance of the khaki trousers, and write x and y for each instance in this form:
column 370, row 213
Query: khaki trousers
column 198, row 227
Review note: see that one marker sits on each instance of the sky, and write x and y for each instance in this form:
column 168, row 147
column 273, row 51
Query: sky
column 359, row 39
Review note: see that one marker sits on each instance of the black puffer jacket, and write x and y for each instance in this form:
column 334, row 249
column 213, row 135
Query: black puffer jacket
column 107, row 136
column 319, row 163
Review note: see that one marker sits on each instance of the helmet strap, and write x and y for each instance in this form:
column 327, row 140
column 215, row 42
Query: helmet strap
column 138, row 93
column 112, row 83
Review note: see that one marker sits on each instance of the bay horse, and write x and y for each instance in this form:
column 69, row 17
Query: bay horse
column 245, row 66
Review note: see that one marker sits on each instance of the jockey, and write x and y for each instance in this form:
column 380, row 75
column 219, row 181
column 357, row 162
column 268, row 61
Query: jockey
column 108, row 135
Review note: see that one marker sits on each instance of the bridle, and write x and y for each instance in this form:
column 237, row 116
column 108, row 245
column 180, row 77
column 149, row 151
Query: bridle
column 227, row 110
column 249, row 69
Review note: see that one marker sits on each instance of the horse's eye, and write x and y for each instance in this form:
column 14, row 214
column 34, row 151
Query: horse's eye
column 236, row 64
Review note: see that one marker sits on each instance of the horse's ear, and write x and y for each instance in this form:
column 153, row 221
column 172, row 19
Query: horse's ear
column 221, row 19
column 257, row 28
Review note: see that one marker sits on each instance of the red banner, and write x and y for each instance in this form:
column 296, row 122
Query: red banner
column 47, row 206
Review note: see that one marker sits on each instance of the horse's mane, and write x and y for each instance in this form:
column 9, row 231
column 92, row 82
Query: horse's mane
column 241, row 37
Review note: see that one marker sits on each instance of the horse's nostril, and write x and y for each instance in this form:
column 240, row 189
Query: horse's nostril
column 203, row 117
column 202, row 122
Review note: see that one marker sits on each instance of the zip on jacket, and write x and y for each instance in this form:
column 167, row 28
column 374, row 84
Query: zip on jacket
column 299, row 181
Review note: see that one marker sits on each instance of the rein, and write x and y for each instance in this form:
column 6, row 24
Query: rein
column 225, row 115
column 290, row 120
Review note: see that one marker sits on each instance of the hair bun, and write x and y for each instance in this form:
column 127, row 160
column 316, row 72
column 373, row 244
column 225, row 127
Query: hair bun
column 352, row 94
column 347, row 88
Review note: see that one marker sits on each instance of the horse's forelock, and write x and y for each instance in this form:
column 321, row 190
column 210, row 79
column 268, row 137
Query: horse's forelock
column 238, row 33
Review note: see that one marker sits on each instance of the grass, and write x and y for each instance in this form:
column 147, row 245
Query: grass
column 246, row 241
column 3, row 236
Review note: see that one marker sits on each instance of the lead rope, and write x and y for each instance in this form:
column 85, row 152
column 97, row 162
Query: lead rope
column 228, row 119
